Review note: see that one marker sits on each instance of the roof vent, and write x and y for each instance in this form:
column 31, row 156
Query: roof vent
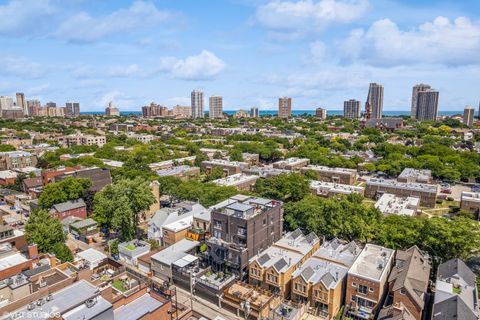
column 90, row 302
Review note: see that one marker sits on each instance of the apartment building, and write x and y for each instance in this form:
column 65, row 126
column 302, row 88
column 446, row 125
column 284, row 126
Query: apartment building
column 272, row 269
column 320, row 280
column 12, row 160
column 265, row 171
column 241, row 227
column 409, row 175
column 391, row 204
column 184, row 172
column 351, row 109
column 456, row 295
column 292, row 164
column 321, row 113
column 215, row 104
column 367, row 281
column 426, row 192
column 284, row 107
column 408, row 285
column 100, row 177
column 335, row 175
column 330, row 189
column 240, row 181
column 154, row 110
column 229, row 167
column 82, row 140
column 470, row 201
column 182, row 111
column 14, row 237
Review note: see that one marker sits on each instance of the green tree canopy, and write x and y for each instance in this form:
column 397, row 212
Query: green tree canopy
column 285, row 187
column 64, row 190
column 44, row 230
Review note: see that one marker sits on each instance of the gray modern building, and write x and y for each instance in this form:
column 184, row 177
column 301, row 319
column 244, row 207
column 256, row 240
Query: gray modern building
column 468, row 116
column 374, row 103
column 351, row 109
column 254, row 112
column 197, row 104
column 427, row 105
column 416, row 89
column 215, row 107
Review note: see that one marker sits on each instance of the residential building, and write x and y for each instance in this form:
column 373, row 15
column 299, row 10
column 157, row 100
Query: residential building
column 254, row 112
column 241, row 114
column 11, row 160
column 468, row 116
column 215, row 107
column 427, row 105
column 272, row 269
column 390, row 204
column 84, row 230
column 72, row 109
column 100, row 177
column 111, row 110
column 182, row 111
column 374, row 103
column 241, row 227
column 13, row 261
column 320, row 281
column 426, row 192
column 409, row 175
column 408, row 285
column 22, row 103
column 130, row 251
column 265, row 171
column 229, row 167
column 335, row 175
column 8, row 177
column 154, row 110
column 240, row 181
column 6, row 103
column 12, row 236
column 183, row 172
column 386, row 124
column 331, row 189
column 284, row 107
column 321, row 113
column 82, row 140
column 367, row 281
column 197, row 104
column 292, row 164
column 456, row 295
column 72, row 208
column 470, row 201
column 351, row 109
column 416, row 89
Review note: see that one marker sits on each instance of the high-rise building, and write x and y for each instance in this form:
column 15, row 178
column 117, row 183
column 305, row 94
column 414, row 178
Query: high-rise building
column 215, row 107
column 72, row 109
column 374, row 103
column 468, row 116
column 416, row 89
column 154, row 110
column 254, row 112
column 351, row 109
column 6, row 103
column 321, row 113
column 197, row 104
column 427, row 105
column 111, row 110
column 22, row 103
column 182, row 111
column 284, row 107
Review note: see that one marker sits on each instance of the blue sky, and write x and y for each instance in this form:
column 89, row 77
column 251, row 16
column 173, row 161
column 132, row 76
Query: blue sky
column 319, row 52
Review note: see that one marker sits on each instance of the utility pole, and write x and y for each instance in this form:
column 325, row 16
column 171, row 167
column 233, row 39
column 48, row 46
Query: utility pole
column 192, row 283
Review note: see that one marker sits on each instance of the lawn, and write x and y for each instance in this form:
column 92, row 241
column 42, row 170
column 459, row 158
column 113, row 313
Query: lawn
column 118, row 284
column 131, row 247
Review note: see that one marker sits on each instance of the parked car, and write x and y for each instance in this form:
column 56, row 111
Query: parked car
column 446, row 190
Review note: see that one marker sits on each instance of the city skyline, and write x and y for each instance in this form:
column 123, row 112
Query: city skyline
column 241, row 50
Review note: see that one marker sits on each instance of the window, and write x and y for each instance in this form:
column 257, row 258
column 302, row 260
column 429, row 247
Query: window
column 217, row 234
column 403, row 292
column 354, row 284
column 300, row 287
column 217, row 224
column 272, row 278
column 362, row 289
column 370, row 289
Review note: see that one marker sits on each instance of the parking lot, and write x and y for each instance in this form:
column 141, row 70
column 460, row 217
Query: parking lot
column 457, row 190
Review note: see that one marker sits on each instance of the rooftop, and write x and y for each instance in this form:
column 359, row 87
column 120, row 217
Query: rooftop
column 245, row 207
column 423, row 187
column 391, row 204
column 175, row 252
column 235, row 179
column 326, row 187
column 175, row 170
column 373, row 262
column 138, row 308
column 315, row 270
column 329, row 169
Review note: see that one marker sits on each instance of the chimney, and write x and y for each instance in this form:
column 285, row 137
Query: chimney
column 53, row 260
column 33, row 252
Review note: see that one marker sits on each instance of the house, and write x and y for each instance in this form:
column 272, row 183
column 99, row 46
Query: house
column 320, row 280
column 83, row 230
column 367, row 281
column 72, row 208
column 456, row 295
column 7, row 177
column 11, row 160
column 408, row 285
column 130, row 251
column 272, row 269
column 90, row 258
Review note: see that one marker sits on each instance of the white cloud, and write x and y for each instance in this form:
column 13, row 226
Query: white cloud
column 20, row 67
column 204, row 66
column 295, row 18
column 441, row 41
column 24, row 17
column 82, row 27
column 121, row 100
column 123, row 71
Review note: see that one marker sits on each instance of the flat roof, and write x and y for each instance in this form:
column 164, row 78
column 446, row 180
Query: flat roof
column 422, row 187
column 391, row 204
column 137, row 308
column 174, row 252
column 12, row 260
column 235, row 179
column 91, row 255
column 330, row 169
column 373, row 262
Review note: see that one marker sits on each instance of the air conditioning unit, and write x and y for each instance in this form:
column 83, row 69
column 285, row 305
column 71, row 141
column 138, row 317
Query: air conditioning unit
column 90, row 302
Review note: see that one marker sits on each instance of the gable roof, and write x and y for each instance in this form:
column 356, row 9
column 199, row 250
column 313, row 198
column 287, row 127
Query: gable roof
column 453, row 308
column 69, row 205
column 456, row 268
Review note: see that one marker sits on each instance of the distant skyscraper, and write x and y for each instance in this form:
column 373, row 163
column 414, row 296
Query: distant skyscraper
column 6, row 103
column 22, row 103
column 351, row 109
column 254, row 112
column 72, row 109
column 197, row 104
column 468, row 116
column 427, row 105
column 416, row 89
column 284, row 107
column 51, row 104
column 321, row 113
column 374, row 103
column 111, row 110
column 215, row 104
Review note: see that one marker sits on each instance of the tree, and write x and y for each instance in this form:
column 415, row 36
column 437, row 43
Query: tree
column 285, row 187
column 199, row 158
column 44, row 230
column 311, row 174
column 64, row 190
column 119, row 205
column 236, row 155
column 6, row 147
column 18, row 185
column 214, row 174
column 62, row 252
